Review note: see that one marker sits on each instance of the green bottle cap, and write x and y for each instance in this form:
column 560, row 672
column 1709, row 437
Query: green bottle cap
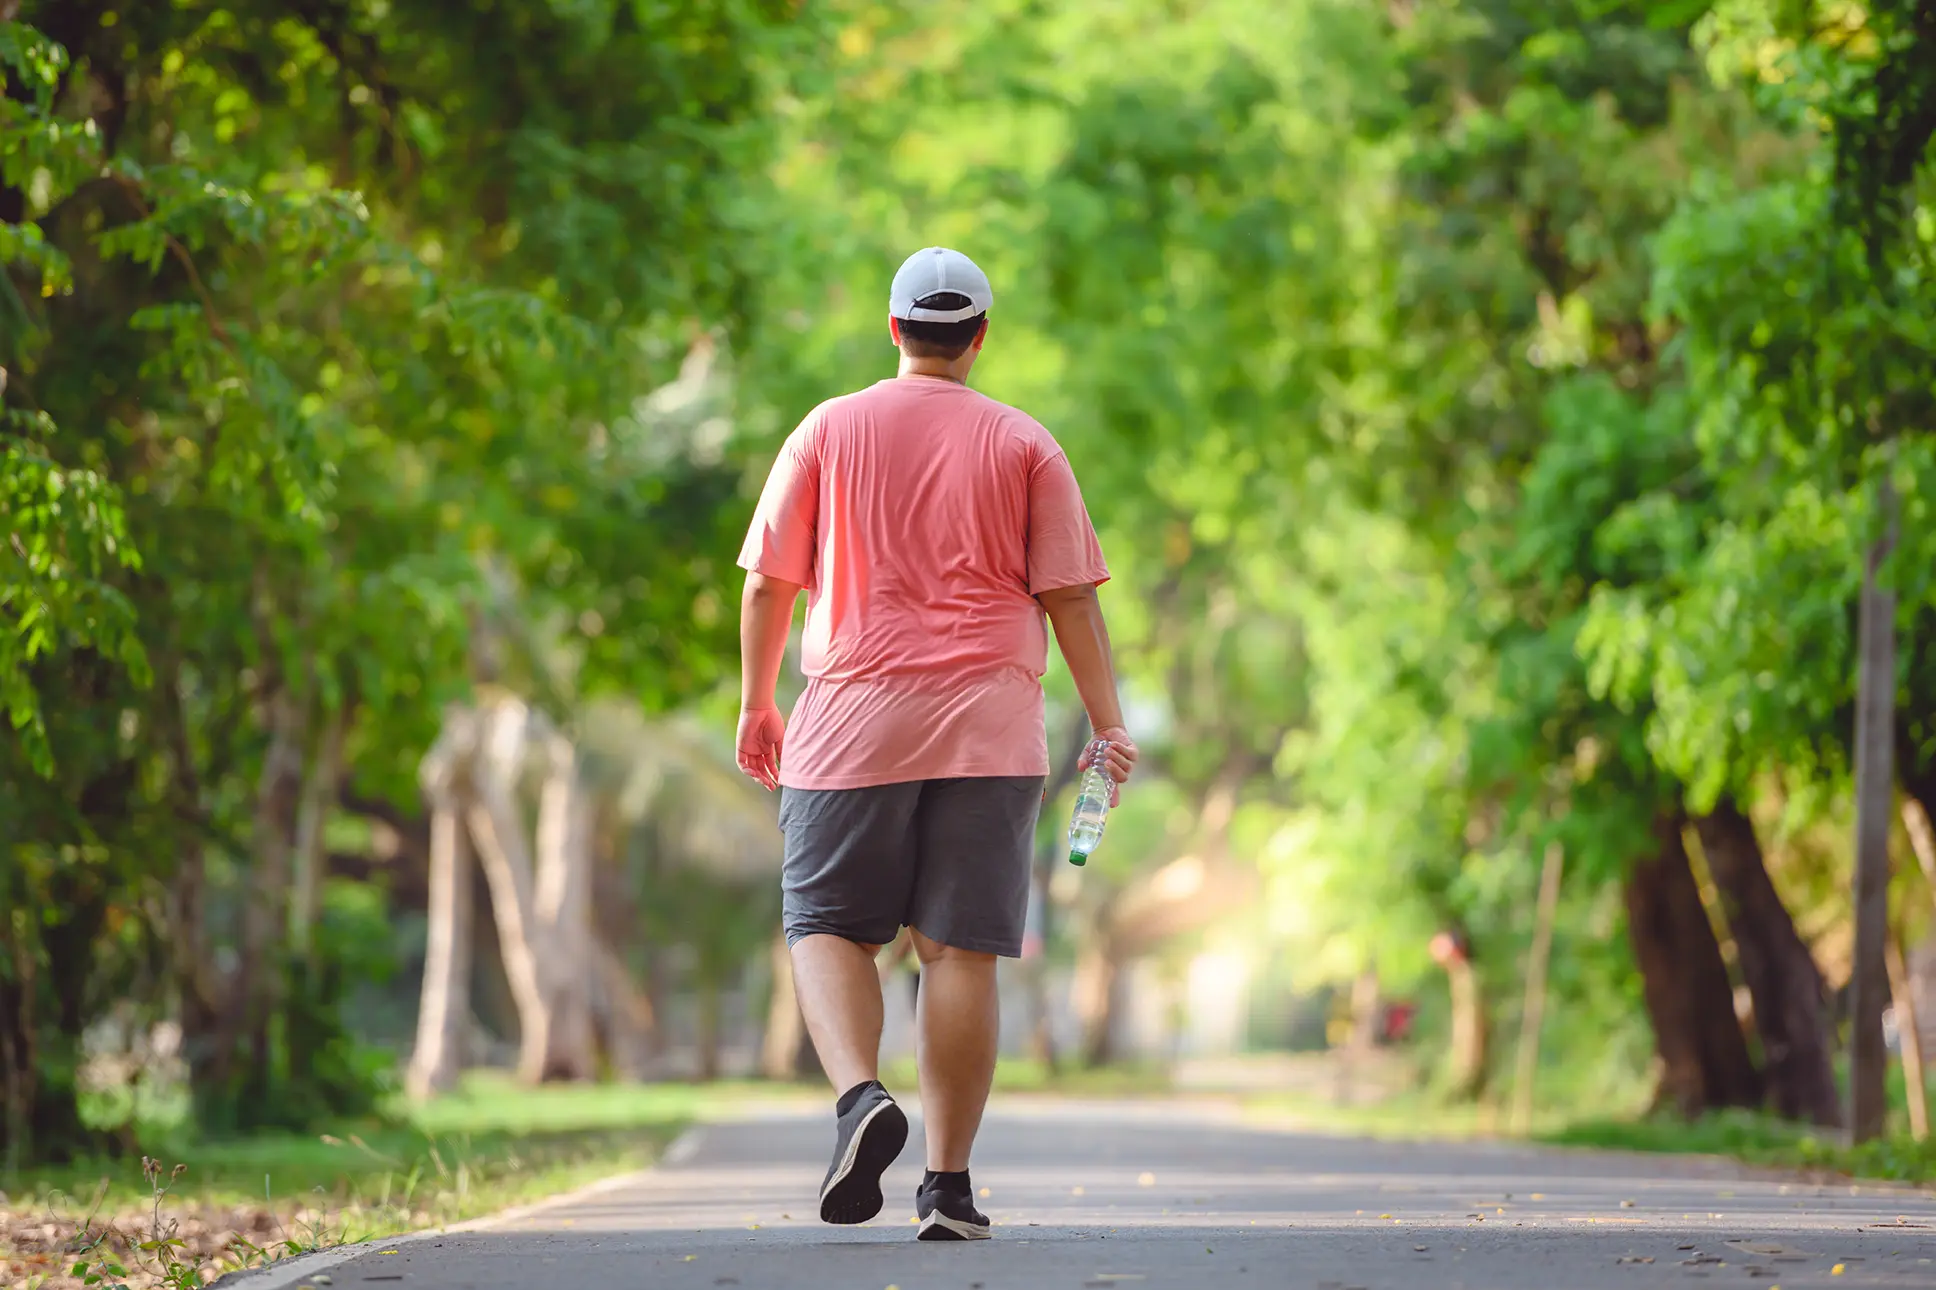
column 1078, row 859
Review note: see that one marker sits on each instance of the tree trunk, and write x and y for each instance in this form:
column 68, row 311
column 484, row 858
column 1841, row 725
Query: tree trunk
column 563, row 900
column 443, row 1017
column 542, row 909
column 1781, row 976
column 710, row 1019
column 312, row 815
column 1469, row 1029
column 1704, row 1057
column 497, row 830
column 1875, row 787
column 1466, row 1059
column 1922, row 840
column 1096, row 985
column 622, row 1018
column 1533, row 1011
column 254, row 990
column 1909, row 1039
column 19, row 1053
column 196, row 991
column 1365, row 998
column 785, row 1027
column 1036, row 973
column 1036, row 947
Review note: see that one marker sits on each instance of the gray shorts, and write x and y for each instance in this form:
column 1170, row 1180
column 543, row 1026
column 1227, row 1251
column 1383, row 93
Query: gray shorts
column 947, row 857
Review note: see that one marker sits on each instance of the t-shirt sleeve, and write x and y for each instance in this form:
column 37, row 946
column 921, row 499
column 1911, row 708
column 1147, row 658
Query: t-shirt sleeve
column 781, row 541
column 1062, row 546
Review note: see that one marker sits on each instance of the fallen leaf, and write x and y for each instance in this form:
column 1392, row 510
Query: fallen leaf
column 1635, row 1258
column 984, row 1193
column 1146, row 1179
column 1075, row 1191
column 1838, row 1270
column 1626, row 1204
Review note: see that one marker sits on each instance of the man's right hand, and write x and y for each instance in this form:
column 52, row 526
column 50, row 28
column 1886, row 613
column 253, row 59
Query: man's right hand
column 761, row 732
column 1120, row 761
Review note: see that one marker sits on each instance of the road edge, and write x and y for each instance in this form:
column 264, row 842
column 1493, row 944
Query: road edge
column 283, row 1273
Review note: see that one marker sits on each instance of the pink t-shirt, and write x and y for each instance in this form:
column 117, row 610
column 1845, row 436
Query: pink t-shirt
column 923, row 519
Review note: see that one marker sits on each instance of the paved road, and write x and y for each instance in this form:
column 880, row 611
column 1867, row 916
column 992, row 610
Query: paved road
column 1137, row 1196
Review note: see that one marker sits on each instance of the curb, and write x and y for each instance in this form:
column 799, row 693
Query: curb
column 289, row 1272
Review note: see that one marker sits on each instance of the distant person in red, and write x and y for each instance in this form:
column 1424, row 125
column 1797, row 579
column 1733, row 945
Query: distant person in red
column 932, row 529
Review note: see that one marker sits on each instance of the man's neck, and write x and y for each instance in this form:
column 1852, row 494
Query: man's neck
column 934, row 369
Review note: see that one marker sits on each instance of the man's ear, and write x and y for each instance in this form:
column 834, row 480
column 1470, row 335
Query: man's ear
column 982, row 334
column 894, row 330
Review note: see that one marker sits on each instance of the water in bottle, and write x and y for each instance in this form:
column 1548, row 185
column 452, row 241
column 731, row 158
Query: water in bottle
column 1092, row 805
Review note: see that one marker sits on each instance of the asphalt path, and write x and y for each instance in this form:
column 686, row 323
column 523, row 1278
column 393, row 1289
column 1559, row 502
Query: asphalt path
column 1139, row 1195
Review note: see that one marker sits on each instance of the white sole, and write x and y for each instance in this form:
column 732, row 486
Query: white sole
column 962, row 1231
column 853, row 1149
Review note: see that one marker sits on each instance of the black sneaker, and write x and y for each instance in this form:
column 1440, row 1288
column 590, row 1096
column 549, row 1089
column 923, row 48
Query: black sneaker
column 871, row 1134
column 948, row 1215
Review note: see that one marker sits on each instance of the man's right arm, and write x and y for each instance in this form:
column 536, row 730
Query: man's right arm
column 1076, row 614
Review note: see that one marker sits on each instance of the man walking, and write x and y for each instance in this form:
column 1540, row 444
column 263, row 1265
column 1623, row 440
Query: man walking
column 932, row 529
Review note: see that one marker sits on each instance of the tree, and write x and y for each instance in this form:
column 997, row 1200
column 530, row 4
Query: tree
column 1810, row 381
column 302, row 355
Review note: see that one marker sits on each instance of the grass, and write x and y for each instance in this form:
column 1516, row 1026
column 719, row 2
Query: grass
column 1761, row 1140
column 490, row 1145
column 489, row 1138
column 1749, row 1137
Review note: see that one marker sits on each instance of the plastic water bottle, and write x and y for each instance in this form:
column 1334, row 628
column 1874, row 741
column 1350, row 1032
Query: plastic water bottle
column 1092, row 805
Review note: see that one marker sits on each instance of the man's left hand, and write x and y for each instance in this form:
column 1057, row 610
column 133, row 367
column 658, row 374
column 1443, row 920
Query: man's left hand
column 1119, row 760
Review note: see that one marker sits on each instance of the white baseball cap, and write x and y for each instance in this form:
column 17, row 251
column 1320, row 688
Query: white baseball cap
column 930, row 272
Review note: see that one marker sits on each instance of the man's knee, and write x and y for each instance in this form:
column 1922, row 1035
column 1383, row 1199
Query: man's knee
column 930, row 951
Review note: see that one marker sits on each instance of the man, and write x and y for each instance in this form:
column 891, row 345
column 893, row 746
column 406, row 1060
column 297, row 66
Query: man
column 932, row 529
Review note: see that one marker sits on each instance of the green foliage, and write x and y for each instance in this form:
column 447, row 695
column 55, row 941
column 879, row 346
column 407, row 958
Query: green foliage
column 1479, row 400
column 1762, row 1140
column 331, row 358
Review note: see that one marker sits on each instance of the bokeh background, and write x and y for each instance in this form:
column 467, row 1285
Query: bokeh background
column 1488, row 407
